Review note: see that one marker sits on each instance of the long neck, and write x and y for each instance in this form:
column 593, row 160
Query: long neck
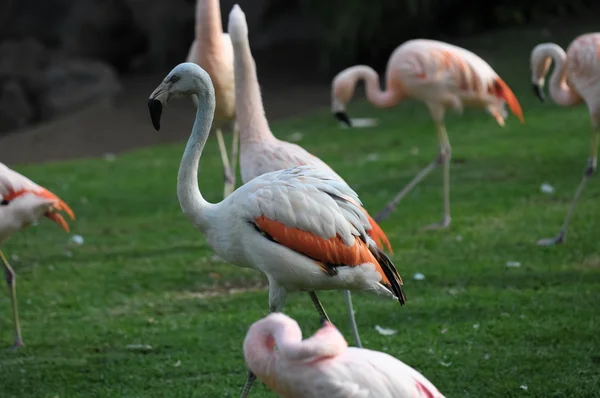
column 253, row 124
column 560, row 91
column 209, row 29
column 380, row 98
column 258, row 349
column 192, row 203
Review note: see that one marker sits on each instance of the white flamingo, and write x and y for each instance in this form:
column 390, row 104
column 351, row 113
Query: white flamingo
column 300, row 227
column 22, row 203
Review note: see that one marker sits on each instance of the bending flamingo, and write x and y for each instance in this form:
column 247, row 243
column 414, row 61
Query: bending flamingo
column 324, row 366
column 576, row 78
column 300, row 227
column 211, row 49
column 261, row 152
column 22, row 203
column 442, row 76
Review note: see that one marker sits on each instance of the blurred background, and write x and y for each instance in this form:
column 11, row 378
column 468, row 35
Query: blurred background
column 75, row 74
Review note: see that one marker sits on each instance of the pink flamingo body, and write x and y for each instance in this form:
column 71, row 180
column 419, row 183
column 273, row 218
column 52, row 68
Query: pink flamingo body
column 324, row 366
column 22, row 203
column 212, row 50
column 260, row 151
column 576, row 79
column 442, row 76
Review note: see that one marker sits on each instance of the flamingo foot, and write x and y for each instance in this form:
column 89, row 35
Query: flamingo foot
column 18, row 344
column 445, row 223
column 557, row 240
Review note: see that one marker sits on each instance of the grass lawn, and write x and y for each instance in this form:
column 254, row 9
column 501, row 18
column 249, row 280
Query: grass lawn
column 142, row 309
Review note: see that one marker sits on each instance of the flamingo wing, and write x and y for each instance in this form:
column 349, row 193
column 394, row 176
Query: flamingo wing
column 309, row 211
column 381, row 374
column 286, row 155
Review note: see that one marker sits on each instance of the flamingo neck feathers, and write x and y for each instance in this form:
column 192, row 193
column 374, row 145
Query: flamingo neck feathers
column 560, row 91
column 192, row 202
column 209, row 28
column 376, row 96
column 258, row 350
column 253, row 124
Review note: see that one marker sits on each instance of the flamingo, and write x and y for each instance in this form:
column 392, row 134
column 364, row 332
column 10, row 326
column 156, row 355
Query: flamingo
column 442, row 76
column 324, row 366
column 260, row 151
column 576, row 78
column 22, row 203
column 212, row 50
column 299, row 226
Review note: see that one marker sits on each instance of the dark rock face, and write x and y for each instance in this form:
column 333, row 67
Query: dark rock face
column 38, row 84
column 103, row 30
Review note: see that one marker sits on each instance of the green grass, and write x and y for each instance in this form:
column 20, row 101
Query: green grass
column 474, row 326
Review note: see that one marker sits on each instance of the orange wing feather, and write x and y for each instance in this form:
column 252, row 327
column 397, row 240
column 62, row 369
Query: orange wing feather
column 503, row 91
column 333, row 252
column 377, row 234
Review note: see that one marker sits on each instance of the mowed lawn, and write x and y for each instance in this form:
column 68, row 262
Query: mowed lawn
column 142, row 309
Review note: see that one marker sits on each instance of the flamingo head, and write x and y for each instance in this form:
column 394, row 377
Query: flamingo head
column 184, row 80
column 540, row 65
column 342, row 91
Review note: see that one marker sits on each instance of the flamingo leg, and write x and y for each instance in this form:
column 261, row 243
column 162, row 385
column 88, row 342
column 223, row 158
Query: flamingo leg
column 445, row 155
column 353, row 326
column 228, row 175
column 318, row 306
column 443, row 158
column 276, row 302
column 12, row 286
column 592, row 163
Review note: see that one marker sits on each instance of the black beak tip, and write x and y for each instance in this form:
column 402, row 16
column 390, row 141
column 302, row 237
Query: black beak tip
column 537, row 90
column 155, row 107
column 343, row 117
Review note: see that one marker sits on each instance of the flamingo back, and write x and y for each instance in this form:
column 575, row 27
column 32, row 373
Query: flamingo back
column 583, row 70
column 324, row 366
column 435, row 72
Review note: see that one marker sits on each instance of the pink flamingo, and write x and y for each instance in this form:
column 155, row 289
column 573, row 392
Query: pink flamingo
column 439, row 74
column 576, row 78
column 324, row 366
column 261, row 152
column 302, row 228
column 211, row 49
column 22, row 203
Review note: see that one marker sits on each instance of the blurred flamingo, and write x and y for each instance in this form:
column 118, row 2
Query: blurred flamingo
column 261, row 152
column 211, row 49
column 301, row 227
column 576, row 78
column 439, row 74
column 22, row 203
column 324, row 366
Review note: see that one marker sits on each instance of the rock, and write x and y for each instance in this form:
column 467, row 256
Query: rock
column 103, row 30
column 72, row 84
column 38, row 84
column 16, row 111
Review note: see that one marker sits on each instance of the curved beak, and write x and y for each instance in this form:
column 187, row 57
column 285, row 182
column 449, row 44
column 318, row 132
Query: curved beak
column 538, row 91
column 57, row 218
column 157, row 100
column 343, row 117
